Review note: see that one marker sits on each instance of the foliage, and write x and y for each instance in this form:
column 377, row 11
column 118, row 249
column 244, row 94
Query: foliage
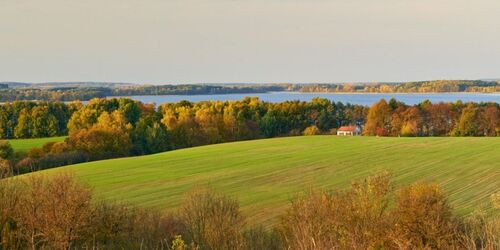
column 178, row 243
column 378, row 119
column 213, row 221
column 6, row 150
column 312, row 130
column 109, row 137
column 34, row 119
column 346, row 220
column 5, row 169
column 428, row 119
column 53, row 212
column 423, row 218
column 258, row 238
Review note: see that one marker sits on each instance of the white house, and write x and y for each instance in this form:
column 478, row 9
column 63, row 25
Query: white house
column 349, row 131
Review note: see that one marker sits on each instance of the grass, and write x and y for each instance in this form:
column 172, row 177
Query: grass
column 24, row 145
column 265, row 174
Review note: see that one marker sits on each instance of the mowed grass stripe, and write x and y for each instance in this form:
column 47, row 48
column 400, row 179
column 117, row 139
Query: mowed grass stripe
column 265, row 174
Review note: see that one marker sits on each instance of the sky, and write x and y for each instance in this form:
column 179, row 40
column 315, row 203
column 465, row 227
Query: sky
column 272, row 41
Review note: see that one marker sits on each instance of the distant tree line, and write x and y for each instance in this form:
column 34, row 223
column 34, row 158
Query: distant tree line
column 109, row 128
column 86, row 93
column 38, row 212
column 194, row 89
column 440, row 86
column 56, row 94
column 82, row 92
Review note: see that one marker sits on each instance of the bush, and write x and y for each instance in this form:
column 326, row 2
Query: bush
column 9, row 204
column 36, row 153
column 58, row 213
column 59, row 147
column 258, row 238
column 479, row 232
column 353, row 219
column 5, row 168
column 423, row 218
column 6, row 150
column 25, row 165
column 312, row 130
column 47, row 161
column 212, row 220
column 118, row 226
column 54, row 213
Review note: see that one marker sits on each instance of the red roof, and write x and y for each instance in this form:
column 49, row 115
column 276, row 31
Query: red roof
column 347, row 128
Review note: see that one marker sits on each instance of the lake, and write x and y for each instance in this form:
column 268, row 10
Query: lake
column 363, row 99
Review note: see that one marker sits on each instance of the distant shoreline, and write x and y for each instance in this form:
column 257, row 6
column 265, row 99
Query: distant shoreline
column 409, row 93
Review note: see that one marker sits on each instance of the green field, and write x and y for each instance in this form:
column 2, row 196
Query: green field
column 24, row 145
column 265, row 174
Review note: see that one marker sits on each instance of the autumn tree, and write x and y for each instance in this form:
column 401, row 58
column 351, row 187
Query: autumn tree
column 181, row 122
column 439, row 121
column 467, row 124
column 397, row 121
column 24, row 125
column 44, row 124
column 231, row 127
column 489, row 121
column 130, row 109
column 55, row 212
column 5, row 127
column 412, row 122
column 378, row 119
column 210, row 123
column 109, row 137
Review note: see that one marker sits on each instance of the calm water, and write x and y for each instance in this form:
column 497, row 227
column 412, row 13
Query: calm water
column 363, row 99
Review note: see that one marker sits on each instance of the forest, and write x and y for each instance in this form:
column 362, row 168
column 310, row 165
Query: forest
column 110, row 128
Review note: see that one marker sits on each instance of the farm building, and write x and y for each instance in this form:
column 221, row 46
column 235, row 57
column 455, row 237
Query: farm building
column 349, row 131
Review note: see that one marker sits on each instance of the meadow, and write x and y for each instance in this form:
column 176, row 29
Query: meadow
column 264, row 175
column 24, row 145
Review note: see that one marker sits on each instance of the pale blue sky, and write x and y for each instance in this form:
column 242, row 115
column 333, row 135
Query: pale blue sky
column 185, row 41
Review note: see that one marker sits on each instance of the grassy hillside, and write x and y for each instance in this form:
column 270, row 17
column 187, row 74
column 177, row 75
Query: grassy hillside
column 24, row 145
column 265, row 174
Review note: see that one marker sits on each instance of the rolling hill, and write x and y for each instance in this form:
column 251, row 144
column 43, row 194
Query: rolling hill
column 265, row 174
